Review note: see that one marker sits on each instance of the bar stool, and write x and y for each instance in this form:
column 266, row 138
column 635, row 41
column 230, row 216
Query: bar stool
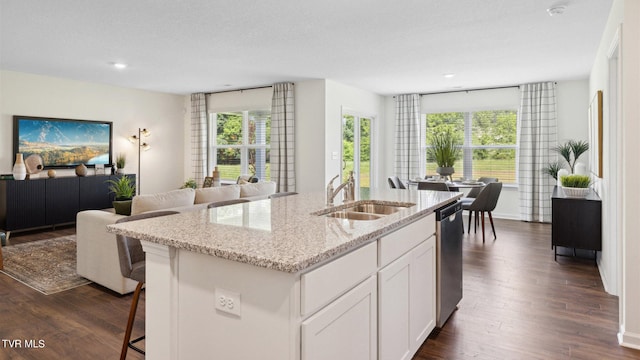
column 132, row 266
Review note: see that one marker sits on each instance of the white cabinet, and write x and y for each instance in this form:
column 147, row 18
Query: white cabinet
column 344, row 329
column 407, row 302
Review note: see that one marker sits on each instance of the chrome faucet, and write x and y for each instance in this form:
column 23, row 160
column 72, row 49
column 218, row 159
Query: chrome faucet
column 349, row 189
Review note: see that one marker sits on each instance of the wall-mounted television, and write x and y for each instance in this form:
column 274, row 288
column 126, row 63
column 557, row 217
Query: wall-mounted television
column 63, row 143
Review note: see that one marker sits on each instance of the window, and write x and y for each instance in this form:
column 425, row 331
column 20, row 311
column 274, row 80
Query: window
column 240, row 143
column 489, row 141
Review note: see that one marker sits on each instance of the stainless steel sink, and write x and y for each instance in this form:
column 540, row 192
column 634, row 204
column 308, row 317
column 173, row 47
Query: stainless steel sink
column 352, row 215
column 363, row 210
column 375, row 208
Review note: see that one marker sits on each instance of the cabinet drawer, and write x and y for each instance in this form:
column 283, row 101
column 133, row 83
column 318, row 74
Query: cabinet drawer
column 393, row 245
column 322, row 285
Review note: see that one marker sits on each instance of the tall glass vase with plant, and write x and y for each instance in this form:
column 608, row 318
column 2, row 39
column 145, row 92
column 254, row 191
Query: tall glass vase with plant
column 445, row 150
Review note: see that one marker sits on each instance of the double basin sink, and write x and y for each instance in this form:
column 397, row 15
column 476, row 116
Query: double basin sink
column 364, row 210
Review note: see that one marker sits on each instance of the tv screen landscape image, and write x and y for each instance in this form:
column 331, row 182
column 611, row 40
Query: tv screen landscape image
column 63, row 143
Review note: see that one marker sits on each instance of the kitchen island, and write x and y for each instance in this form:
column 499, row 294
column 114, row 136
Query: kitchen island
column 278, row 279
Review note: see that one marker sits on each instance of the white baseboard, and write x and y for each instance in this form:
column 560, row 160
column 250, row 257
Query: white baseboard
column 628, row 339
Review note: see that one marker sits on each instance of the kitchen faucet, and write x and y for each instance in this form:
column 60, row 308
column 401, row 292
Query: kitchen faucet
column 349, row 189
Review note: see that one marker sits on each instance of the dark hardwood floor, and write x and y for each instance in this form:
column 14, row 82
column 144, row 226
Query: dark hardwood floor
column 518, row 304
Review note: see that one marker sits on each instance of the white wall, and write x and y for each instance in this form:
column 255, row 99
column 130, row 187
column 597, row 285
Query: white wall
column 310, row 135
column 618, row 263
column 128, row 109
column 572, row 110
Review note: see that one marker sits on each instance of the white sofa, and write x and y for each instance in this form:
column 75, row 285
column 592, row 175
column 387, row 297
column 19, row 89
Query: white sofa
column 97, row 252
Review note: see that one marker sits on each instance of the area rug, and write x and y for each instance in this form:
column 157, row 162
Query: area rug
column 48, row 266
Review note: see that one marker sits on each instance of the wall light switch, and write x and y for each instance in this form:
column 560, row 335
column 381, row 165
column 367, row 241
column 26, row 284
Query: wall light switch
column 228, row 301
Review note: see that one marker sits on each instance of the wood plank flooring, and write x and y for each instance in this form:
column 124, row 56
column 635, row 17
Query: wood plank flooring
column 518, row 304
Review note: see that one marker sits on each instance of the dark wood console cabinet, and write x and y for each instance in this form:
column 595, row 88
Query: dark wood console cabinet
column 26, row 204
column 576, row 222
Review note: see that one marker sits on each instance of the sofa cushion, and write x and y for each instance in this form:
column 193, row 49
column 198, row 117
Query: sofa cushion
column 218, row 193
column 162, row 201
column 259, row 189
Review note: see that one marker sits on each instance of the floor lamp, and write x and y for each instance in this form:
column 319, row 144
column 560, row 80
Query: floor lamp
column 141, row 145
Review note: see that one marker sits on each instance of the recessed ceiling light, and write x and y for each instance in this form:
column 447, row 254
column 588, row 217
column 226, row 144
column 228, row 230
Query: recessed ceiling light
column 556, row 10
column 119, row 65
column 449, row 75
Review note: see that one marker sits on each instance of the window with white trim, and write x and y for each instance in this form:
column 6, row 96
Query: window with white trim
column 239, row 143
column 488, row 139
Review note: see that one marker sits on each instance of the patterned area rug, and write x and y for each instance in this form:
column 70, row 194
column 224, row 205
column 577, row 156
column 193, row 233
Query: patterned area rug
column 48, row 266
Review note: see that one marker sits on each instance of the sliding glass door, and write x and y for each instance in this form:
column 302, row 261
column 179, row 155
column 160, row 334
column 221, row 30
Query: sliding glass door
column 357, row 149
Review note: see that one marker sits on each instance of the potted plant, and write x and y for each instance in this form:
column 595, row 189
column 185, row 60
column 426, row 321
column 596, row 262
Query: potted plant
column 121, row 160
column 445, row 150
column 124, row 190
column 570, row 152
column 191, row 183
column 575, row 185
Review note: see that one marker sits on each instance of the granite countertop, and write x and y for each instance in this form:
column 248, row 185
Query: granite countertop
column 283, row 233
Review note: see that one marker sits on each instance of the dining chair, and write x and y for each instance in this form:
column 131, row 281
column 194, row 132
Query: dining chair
column 132, row 266
column 473, row 193
column 486, row 201
column 395, row 182
column 433, row 185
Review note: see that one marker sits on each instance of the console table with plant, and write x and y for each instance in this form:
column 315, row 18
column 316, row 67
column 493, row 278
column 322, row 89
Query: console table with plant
column 47, row 202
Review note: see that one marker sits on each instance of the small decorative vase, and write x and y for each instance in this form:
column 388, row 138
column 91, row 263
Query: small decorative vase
column 51, row 173
column 216, row 177
column 120, row 171
column 19, row 169
column 580, row 169
column 445, row 172
column 561, row 173
column 81, row 170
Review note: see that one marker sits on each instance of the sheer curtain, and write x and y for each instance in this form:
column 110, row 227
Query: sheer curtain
column 537, row 135
column 199, row 137
column 283, row 138
column 407, row 160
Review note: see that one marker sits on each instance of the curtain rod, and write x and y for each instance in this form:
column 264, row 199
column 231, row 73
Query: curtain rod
column 241, row 90
column 455, row 91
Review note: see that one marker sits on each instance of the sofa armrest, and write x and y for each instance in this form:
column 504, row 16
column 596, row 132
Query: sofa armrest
column 97, row 251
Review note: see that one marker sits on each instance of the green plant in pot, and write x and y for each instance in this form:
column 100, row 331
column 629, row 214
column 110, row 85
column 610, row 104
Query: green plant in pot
column 121, row 161
column 575, row 185
column 445, row 150
column 570, row 152
column 124, row 189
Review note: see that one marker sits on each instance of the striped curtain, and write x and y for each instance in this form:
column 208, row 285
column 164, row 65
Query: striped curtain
column 282, row 138
column 407, row 160
column 537, row 136
column 199, row 137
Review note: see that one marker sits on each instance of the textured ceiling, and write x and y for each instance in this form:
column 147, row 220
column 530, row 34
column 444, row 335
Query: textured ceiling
column 387, row 47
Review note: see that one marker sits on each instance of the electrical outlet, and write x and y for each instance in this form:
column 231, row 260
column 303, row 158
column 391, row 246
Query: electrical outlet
column 227, row 301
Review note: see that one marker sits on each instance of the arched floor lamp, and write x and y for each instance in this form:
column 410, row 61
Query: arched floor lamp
column 141, row 145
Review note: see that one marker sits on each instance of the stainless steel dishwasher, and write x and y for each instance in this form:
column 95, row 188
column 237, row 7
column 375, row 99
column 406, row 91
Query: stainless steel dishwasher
column 448, row 260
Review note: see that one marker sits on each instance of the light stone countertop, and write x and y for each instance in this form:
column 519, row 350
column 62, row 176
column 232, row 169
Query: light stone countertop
column 282, row 233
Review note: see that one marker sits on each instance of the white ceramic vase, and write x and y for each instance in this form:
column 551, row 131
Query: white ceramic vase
column 561, row 173
column 19, row 169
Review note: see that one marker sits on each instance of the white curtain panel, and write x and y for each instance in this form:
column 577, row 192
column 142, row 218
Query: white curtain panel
column 537, row 136
column 407, row 152
column 283, row 138
column 199, row 137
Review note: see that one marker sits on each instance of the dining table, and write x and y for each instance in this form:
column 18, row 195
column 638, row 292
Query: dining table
column 455, row 185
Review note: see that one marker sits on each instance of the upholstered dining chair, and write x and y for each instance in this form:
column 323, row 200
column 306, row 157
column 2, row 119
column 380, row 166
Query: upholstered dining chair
column 395, row 182
column 473, row 193
column 132, row 266
column 226, row 202
column 486, row 201
column 433, row 185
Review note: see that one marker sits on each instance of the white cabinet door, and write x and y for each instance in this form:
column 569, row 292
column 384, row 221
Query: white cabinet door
column 344, row 329
column 407, row 302
column 422, row 292
column 394, row 305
